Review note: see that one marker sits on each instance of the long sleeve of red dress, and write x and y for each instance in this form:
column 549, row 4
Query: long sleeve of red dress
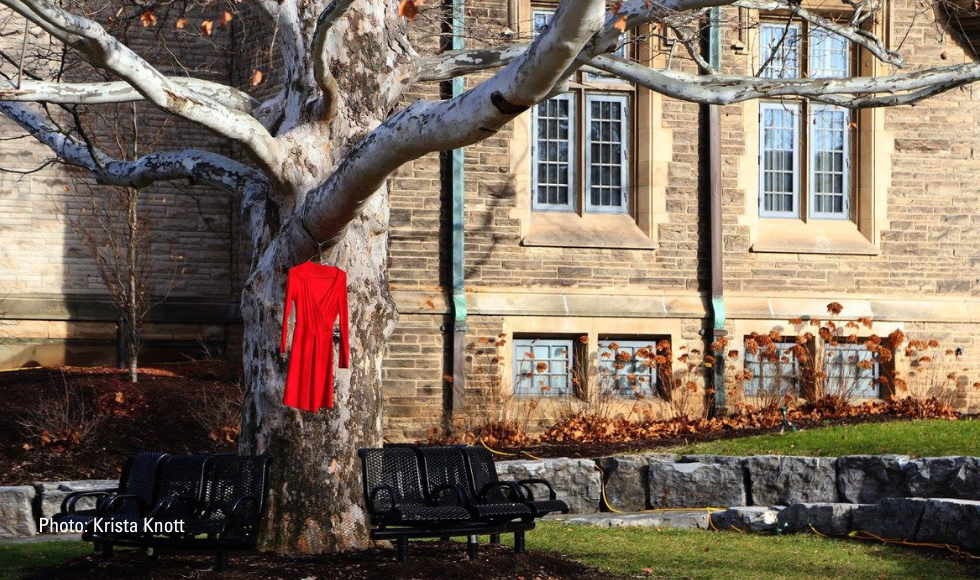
column 319, row 295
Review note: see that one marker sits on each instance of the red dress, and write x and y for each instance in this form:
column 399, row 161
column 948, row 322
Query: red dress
column 320, row 295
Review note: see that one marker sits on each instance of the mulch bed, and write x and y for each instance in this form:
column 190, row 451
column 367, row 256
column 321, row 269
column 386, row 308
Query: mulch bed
column 154, row 414
column 427, row 560
column 590, row 450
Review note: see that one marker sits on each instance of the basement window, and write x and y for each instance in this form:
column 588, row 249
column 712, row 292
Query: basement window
column 543, row 367
column 852, row 371
column 774, row 369
column 627, row 368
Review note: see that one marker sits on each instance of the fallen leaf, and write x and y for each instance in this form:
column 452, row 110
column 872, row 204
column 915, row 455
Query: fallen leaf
column 226, row 18
column 256, row 78
column 148, row 19
column 409, row 9
column 181, row 23
column 207, row 26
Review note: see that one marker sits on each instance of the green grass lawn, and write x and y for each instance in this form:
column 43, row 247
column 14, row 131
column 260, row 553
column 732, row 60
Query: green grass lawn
column 927, row 438
column 666, row 554
column 16, row 560
column 704, row 555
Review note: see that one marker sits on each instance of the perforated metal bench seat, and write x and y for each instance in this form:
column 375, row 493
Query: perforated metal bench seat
column 403, row 503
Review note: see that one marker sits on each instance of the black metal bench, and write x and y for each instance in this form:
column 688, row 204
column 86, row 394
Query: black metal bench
column 483, row 474
column 430, row 492
column 179, row 483
column 219, row 501
column 137, row 479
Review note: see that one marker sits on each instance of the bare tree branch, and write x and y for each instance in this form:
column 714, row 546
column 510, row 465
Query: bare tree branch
column 103, row 50
column 449, row 65
column 850, row 31
column 321, row 60
column 728, row 89
column 199, row 166
column 119, row 92
column 427, row 126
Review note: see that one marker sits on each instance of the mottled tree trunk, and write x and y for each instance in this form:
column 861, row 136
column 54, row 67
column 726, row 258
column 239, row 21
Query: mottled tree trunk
column 315, row 501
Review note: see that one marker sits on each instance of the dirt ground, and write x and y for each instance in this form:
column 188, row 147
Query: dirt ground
column 428, row 560
column 175, row 408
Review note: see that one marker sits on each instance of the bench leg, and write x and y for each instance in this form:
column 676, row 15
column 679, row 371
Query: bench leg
column 471, row 547
column 221, row 560
column 519, row 543
column 495, row 539
column 402, row 549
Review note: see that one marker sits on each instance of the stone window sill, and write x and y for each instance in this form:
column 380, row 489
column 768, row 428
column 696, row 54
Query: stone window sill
column 791, row 236
column 592, row 230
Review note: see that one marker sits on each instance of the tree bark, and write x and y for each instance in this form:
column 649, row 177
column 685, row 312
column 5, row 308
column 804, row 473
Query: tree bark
column 315, row 500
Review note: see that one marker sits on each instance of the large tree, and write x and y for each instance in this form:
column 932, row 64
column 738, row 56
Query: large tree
column 318, row 154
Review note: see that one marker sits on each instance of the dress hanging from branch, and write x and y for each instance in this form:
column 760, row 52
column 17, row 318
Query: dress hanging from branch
column 319, row 293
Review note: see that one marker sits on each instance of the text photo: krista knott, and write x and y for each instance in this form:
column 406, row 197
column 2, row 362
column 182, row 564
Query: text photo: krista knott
column 110, row 526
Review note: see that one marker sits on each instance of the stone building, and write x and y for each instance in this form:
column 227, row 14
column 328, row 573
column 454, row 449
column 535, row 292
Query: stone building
column 587, row 227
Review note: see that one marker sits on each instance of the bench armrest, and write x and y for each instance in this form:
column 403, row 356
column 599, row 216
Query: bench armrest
column 372, row 497
column 437, row 493
column 526, row 483
column 114, row 503
column 516, row 494
column 238, row 517
column 163, row 509
column 68, row 504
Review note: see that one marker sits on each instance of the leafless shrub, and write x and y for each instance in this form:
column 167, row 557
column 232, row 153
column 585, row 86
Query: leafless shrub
column 687, row 397
column 933, row 371
column 65, row 419
column 220, row 414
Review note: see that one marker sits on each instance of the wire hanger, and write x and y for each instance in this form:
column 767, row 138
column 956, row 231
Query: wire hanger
column 319, row 245
column 318, row 255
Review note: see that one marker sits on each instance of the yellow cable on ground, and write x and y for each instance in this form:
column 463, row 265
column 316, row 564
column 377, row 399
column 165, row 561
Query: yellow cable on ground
column 494, row 451
column 602, row 483
column 815, row 530
column 862, row 535
column 23, row 369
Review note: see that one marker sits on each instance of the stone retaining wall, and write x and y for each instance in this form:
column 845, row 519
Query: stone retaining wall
column 22, row 506
column 953, row 522
column 637, row 482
